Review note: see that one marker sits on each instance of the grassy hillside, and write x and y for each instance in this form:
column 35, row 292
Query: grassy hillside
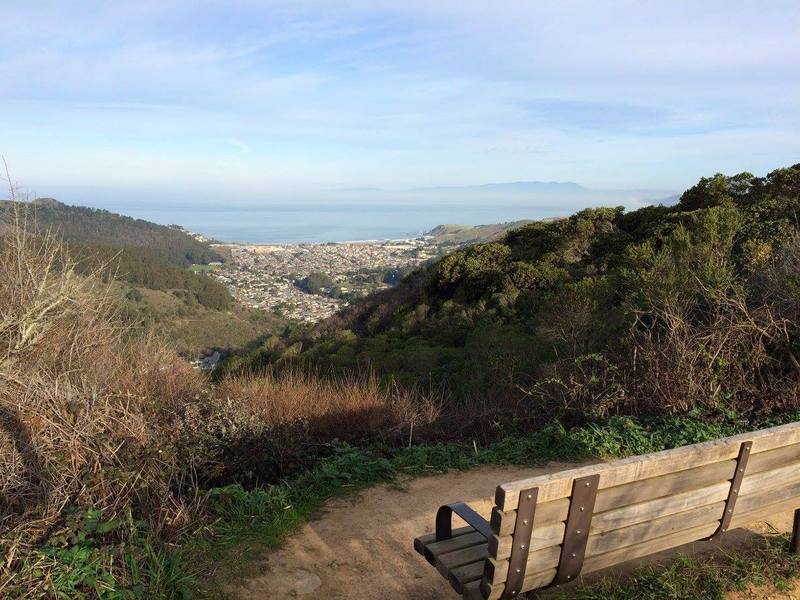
column 464, row 234
column 161, row 273
column 663, row 309
column 193, row 327
column 101, row 227
column 141, row 268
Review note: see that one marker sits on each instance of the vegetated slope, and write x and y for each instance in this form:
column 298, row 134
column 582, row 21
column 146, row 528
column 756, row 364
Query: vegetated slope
column 193, row 328
column 140, row 267
column 663, row 309
column 94, row 226
column 464, row 234
column 136, row 251
column 150, row 261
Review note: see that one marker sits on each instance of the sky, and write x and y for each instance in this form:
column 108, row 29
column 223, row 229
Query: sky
column 259, row 99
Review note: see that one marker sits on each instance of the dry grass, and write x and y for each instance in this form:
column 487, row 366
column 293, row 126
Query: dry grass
column 97, row 416
column 343, row 407
column 81, row 403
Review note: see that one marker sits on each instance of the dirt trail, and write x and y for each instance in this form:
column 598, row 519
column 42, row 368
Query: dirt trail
column 361, row 547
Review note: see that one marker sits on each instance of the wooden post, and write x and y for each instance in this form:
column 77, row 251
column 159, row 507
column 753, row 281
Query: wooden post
column 794, row 548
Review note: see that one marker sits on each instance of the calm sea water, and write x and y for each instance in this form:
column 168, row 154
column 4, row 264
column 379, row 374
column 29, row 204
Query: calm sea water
column 287, row 224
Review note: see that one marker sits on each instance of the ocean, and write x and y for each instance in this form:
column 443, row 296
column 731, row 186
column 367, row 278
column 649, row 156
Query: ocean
column 292, row 224
column 360, row 214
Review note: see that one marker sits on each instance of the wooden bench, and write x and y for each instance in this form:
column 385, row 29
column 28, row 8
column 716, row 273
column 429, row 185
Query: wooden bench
column 547, row 530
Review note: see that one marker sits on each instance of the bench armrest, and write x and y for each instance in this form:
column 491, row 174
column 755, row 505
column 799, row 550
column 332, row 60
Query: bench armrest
column 444, row 521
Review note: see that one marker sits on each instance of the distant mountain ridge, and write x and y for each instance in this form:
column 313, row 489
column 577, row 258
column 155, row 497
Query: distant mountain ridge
column 512, row 186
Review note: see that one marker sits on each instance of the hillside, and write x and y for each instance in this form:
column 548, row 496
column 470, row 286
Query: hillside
column 192, row 327
column 150, row 263
column 659, row 309
column 465, row 234
column 90, row 225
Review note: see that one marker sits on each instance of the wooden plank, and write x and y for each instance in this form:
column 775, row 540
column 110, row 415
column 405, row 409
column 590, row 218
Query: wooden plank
column 497, row 570
column 472, row 591
column 546, row 512
column 601, row 543
column 447, row 562
column 547, row 535
column 772, row 459
column 664, row 485
column 461, row 576
column 608, row 559
column 758, row 500
column 653, row 509
column 428, row 538
column 765, row 511
column 435, row 549
column 632, row 493
column 532, row 581
column 558, row 485
column 769, row 479
column 615, row 557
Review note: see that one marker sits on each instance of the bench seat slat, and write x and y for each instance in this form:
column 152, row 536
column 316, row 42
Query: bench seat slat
column 472, row 591
column 447, row 562
column 461, row 576
column 435, row 549
column 423, row 541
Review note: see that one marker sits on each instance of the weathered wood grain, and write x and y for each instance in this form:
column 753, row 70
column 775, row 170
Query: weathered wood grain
column 558, row 485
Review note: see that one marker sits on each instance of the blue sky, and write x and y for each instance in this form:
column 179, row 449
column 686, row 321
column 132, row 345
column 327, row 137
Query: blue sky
column 256, row 99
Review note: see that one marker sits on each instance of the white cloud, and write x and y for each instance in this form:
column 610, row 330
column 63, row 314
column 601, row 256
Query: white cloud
column 415, row 93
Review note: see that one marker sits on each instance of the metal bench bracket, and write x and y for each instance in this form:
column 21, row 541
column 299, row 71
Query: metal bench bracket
column 576, row 531
column 444, row 521
column 733, row 493
column 523, row 528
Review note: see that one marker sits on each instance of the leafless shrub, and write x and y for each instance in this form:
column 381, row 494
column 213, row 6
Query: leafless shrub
column 714, row 351
column 589, row 386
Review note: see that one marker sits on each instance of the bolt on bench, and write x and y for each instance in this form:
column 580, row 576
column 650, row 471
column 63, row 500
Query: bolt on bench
column 547, row 530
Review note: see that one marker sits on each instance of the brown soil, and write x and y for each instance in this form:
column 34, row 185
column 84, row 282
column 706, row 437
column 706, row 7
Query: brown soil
column 361, row 547
column 765, row 593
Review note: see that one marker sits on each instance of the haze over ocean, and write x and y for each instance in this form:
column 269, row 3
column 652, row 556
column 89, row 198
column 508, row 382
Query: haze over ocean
column 287, row 224
column 368, row 214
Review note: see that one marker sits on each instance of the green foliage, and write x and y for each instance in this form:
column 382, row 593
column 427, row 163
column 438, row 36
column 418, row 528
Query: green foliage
column 131, row 250
column 143, row 268
column 588, row 313
column 94, row 226
column 705, row 576
column 108, row 559
column 318, row 283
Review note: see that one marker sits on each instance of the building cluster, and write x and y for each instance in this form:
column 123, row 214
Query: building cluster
column 264, row 276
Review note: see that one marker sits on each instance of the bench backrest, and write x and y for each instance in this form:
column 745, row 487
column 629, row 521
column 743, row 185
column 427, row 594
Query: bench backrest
column 597, row 516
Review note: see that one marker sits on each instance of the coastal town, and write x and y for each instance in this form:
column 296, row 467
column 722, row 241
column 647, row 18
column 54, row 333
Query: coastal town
column 268, row 277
